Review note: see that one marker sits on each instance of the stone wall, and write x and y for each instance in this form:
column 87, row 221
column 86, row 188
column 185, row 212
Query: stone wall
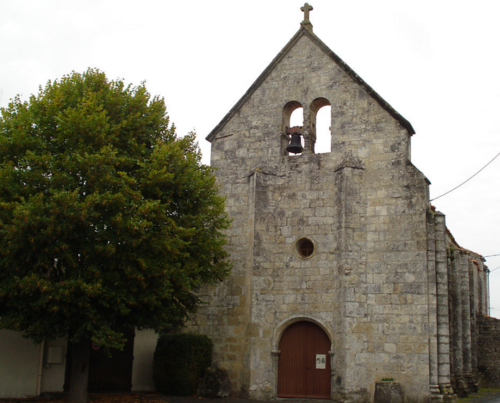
column 488, row 351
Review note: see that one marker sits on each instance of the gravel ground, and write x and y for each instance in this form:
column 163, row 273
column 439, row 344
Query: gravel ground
column 485, row 396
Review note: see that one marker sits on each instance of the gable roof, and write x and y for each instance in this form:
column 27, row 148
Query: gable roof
column 300, row 33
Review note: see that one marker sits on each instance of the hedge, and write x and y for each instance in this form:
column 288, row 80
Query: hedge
column 180, row 361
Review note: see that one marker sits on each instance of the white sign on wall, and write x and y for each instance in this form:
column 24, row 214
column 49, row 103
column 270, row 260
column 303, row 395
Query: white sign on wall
column 320, row 361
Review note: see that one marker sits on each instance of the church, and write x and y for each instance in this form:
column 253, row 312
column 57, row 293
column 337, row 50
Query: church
column 345, row 279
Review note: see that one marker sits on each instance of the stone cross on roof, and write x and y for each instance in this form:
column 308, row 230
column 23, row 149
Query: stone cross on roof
column 306, row 23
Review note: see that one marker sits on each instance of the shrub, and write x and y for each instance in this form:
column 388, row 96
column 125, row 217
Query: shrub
column 180, row 361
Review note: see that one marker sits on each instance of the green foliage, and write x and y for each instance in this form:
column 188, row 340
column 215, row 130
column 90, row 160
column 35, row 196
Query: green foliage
column 179, row 363
column 387, row 379
column 108, row 219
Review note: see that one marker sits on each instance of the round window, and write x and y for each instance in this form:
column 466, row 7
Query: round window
column 304, row 247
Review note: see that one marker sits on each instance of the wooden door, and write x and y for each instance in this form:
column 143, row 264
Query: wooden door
column 304, row 362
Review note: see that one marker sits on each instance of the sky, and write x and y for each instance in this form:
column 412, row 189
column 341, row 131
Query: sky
column 436, row 62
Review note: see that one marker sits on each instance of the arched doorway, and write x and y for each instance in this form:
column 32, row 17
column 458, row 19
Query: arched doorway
column 304, row 363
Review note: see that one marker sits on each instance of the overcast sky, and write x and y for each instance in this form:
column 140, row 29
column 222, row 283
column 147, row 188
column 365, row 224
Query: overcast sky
column 437, row 62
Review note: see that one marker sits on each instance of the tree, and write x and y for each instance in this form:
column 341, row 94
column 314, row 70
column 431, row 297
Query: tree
column 108, row 219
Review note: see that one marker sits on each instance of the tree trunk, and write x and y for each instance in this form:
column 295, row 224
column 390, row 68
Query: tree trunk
column 79, row 372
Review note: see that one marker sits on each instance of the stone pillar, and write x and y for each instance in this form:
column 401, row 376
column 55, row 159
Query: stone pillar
column 465, row 293
column 455, row 300
column 484, row 283
column 275, row 357
column 307, row 132
column 349, row 384
column 443, row 325
column 473, row 277
column 465, row 314
column 432, row 298
column 246, row 372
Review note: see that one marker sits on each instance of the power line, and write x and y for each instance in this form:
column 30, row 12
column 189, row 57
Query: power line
column 492, row 255
column 463, row 183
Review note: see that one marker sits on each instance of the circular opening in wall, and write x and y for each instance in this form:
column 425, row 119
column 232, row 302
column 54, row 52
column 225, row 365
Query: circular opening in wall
column 304, row 247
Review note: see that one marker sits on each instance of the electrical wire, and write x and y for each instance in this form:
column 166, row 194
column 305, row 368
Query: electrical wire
column 463, row 183
column 492, row 255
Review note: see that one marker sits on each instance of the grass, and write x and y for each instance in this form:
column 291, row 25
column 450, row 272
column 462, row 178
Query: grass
column 483, row 393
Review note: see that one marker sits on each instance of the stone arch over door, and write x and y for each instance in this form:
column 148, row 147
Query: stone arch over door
column 304, row 367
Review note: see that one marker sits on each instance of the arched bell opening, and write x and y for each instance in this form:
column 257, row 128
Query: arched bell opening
column 292, row 122
column 297, row 117
column 321, row 120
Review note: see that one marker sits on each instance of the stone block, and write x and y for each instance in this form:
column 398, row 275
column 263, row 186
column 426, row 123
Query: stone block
column 388, row 392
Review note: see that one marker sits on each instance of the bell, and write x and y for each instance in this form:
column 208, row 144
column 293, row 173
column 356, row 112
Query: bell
column 295, row 145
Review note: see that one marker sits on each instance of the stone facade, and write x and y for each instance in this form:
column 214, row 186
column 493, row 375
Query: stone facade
column 378, row 282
